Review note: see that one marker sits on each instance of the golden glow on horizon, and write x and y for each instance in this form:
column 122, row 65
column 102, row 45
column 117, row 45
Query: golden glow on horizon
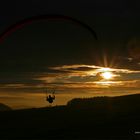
column 109, row 83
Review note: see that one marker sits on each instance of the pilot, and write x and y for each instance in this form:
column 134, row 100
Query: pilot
column 50, row 98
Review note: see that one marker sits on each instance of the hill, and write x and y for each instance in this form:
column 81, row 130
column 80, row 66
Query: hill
column 100, row 117
column 4, row 107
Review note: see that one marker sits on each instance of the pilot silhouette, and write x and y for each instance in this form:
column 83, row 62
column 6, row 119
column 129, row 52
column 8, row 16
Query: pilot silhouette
column 50, row 98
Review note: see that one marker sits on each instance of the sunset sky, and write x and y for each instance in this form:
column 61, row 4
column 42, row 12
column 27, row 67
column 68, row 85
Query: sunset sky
column 63, row 55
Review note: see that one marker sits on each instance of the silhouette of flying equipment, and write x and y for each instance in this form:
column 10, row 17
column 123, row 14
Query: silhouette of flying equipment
column 30, row 20
column 50, row 97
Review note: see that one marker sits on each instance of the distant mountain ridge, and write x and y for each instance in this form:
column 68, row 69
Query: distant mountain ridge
column 125, row 102
column 4, row 107
column 98, row 117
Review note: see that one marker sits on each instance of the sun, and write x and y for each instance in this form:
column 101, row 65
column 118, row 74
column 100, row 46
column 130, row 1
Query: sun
column 107, row 75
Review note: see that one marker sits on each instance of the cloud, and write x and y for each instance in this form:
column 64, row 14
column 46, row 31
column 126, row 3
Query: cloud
column 87, row 74
column 62, row 55
column 67, row 76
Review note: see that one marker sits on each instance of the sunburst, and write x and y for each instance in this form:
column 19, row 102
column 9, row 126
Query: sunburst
column 107, row 75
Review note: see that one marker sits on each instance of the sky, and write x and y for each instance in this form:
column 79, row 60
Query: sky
column 61, row 54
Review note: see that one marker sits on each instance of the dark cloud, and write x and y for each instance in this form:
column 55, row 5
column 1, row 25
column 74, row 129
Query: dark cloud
column 80, row 69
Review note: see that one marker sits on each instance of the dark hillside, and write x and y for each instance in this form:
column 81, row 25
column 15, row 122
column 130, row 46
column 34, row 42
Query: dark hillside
column 100, row 117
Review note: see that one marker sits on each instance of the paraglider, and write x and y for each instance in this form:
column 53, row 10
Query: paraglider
column 50, row 97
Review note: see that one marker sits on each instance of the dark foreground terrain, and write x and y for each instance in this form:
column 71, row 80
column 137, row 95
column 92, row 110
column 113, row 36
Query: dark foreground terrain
column 94, row 118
